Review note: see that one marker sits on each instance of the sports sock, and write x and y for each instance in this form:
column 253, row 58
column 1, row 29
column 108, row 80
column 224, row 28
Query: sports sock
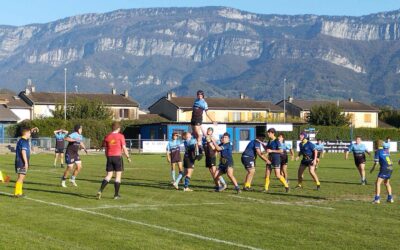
column 187, row 181
column 103, row 185
column 377, row 197
column 18, row 188
column 63, row 178
column 173, row 175
column 267, row 183
column 221, row 179
column 389, row 197
column 180, row 175
column 318, row 183
column 73, row 178
column 283, row 181
column 116, row 187
column 247, row 185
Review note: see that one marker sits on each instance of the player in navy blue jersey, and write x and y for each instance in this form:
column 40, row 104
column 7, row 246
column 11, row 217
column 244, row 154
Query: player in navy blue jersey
column 225, row 163
column 274, row 150
column 211, row 155
column 309, row 153
column 249, row 157
column 359, row 150
column 382, row 157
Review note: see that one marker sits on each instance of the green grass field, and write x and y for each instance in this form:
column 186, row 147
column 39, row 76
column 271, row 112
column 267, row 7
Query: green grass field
column 153, row 215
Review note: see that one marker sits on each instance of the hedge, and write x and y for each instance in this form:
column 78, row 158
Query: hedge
column 343, row 133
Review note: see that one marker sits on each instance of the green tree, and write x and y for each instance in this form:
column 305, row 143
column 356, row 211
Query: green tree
column 328, row 115
column 81, row 108
column 390, row 116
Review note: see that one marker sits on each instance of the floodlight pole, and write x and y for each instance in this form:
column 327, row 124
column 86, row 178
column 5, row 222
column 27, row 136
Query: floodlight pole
column 65, row 94
column 284, row 100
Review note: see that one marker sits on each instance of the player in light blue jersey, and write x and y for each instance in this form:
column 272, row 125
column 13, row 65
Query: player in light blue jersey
column 174, row 156
column 359, row 150
column 382, row 157
column 319, row 146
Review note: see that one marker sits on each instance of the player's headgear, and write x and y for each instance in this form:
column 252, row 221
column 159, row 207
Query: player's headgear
column 304, row 134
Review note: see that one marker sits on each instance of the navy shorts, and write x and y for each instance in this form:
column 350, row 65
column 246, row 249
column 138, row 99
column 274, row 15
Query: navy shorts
column 21, row 170
column 72, row 158
column 59, row 150
column 306, row 162
column 385, row 174
column 284, row 159
column 223, row 168
column 359, row 159
column 275, row 161
column 248, row 162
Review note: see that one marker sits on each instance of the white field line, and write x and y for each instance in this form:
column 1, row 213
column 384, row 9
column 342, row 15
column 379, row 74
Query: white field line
column 153, row 226
column 135, row 205
column 285, row 203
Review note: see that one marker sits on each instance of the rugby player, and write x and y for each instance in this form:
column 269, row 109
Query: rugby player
column 59, row 152
column 211, row 156
column 114, row 144
column 75, row 143
column 387, row 143
column 309, row 153
column 249, row 156
column 189, row 159
column 382, row 156
column 174, row 156
column 199, row 107
column 274, row 150
column 284, row 156
column 319, row 146
column 226, row 162
column 22, row 157
column 359, row 150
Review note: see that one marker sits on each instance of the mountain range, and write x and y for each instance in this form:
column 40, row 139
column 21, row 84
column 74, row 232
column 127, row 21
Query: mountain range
column 223, row 51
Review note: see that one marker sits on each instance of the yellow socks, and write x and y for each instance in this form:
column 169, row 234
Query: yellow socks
column 318, row 183
column 247, row 185
column 18, row 188
column 267, row 183
column 283, row 181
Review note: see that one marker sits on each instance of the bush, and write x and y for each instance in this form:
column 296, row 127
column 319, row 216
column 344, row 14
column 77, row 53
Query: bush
column 328, row 115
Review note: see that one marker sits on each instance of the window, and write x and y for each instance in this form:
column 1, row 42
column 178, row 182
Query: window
column 236, row 116
column 256, row 115
column 244, row 134
column 367, row 118
column 124, row 113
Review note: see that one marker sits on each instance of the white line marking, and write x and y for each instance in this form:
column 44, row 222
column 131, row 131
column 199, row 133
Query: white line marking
column 135, row 205
column 285, row 203
column 162, row 228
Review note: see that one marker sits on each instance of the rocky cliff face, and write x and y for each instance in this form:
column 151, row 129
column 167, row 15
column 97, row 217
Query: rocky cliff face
column 150, row 51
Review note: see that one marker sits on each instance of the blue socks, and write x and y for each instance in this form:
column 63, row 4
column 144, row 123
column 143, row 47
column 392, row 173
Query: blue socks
column 377, row 197
column 173, row 175
column 187, row 181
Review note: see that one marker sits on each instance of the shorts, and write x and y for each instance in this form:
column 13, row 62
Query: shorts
column 275, row 162
column 114, row 163
column 306, row 162
column 223, row 168
column 248, row 162
column 175, row 158
column 72, row 158
column 385, row 174
column 211, row 161
column 21, row 170
column 196, row 121
column 284, row 159
column 188, row 162
column 359, row 159
column 59, row 151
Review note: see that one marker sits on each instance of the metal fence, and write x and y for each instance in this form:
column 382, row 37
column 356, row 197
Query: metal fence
column 45, row 143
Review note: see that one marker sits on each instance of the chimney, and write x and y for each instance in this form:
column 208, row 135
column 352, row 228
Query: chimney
column 338, row 103
column 126, row 95
column 241, row 96
column 33, row 89
column 113, row 91
column 27, row 90
column 170, row 95
column 290, row 99
column 351, row 100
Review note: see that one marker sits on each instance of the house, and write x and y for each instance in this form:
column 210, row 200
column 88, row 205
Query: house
column 16, row 105
column 43, row 103
column 361, row 114
column 224, row 110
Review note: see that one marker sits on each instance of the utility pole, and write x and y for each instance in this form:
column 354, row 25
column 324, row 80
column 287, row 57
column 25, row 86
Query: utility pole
column 284, row 100
column 65, row 94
